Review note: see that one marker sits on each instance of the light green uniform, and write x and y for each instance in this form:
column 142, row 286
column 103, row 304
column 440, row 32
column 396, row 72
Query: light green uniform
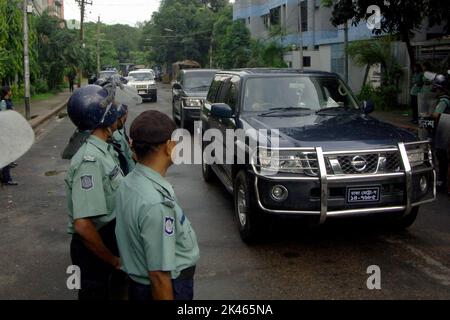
column 92, row 182
column 119, row 136
column 152, row 232
column 443, row 105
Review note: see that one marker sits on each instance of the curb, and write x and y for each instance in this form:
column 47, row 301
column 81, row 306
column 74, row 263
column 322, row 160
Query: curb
column 36, row 122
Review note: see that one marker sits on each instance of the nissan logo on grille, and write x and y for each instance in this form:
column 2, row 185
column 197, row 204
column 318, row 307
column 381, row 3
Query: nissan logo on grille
column 359, row 163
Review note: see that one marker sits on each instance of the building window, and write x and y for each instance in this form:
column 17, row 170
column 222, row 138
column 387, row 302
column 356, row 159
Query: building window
column 307, row 61
column 266, row 20
column 304, row 10
column 275, row 16
column 248, row 20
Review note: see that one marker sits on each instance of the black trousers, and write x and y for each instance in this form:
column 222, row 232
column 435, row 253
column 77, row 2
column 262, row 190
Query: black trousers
column 6, row 174
column 183, row 288
column 99, row 280
column 443, row 165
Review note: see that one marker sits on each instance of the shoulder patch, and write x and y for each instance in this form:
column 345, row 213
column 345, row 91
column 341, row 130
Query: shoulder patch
column 114, row 172
column 87, row 182
column 89, row 159
column 169, row 226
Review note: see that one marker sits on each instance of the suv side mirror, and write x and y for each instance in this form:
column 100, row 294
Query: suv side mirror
column 177, row 86
column 368, row 106
column 221, row 111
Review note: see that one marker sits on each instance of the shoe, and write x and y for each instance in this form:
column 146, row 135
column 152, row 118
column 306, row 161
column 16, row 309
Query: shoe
column 11, row 183
column 13, row 164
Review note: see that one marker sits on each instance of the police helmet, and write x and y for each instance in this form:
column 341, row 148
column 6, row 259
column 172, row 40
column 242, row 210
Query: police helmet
column 122, row 110
column 92, row 107
column 441, row 82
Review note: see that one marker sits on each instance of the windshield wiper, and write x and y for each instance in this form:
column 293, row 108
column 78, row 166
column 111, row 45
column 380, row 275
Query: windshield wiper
column 274, row 110
column 346, row 108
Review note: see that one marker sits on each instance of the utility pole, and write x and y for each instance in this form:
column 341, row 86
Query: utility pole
column 98, row 47
column 300, row 35
column 26, row 60
column 82, row 4
column 346, row 51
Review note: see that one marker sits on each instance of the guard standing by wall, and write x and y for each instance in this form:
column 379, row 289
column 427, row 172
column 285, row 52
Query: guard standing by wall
column 157, row 244
column 91, row 184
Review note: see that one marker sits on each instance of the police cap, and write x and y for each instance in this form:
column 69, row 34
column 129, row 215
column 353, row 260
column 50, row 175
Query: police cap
column 152, row 127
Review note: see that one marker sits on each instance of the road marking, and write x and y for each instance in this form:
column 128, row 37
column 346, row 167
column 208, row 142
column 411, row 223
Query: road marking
column 435, row 269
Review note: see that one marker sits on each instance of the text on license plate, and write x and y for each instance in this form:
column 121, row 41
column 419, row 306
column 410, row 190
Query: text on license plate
column 363, row 194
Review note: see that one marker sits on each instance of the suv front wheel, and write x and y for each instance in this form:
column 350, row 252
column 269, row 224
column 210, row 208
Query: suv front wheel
column 250, row 219
column 407, row 221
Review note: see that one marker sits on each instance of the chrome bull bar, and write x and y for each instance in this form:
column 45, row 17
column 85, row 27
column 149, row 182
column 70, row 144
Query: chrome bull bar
column 325, row 179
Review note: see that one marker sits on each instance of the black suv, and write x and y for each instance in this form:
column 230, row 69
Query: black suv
column 330, row 159
column 188, row 93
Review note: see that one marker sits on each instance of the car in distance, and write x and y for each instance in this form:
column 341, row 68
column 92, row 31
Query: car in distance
column 144, row 82
column 105, row 74
column 188, row 93
column 332, row 158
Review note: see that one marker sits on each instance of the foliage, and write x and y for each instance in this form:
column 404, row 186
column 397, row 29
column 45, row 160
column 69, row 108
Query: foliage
column 384, row 97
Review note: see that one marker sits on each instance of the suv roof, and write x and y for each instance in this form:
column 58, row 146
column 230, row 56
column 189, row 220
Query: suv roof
column 142, row 70
column 198, row 70
column 273, row 71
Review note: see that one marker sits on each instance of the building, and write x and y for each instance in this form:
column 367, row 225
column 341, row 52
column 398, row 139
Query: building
column 55, row 7
column 323, row 43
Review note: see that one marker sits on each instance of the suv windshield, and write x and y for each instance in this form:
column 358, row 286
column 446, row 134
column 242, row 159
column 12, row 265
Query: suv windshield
column 106, row 74
column 198, row 80
column 142, row 76
column 291, row 93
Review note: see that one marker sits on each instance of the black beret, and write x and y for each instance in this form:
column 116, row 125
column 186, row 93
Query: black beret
column 152, row 127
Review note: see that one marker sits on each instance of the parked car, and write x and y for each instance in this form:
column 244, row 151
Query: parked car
column 105, row 74
column 144, row 82
column 332, row 160
column 188, row 93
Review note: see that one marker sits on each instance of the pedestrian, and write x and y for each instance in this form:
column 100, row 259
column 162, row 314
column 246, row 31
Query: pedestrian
column 158, row 246
column 71, row 76
column 121, row 141
column 417, row 83
column 91, row 184
column 7, row 104
column 440, row 87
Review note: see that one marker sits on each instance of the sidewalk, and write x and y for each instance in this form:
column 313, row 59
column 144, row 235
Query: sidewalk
column 397, row 118
column 43, row 107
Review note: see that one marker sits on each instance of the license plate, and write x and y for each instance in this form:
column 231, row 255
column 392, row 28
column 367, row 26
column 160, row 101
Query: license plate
column 363, row 194
column 142, row 92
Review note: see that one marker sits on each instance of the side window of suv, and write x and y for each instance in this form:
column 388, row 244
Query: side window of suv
column 224, row 89
column 213, row 90
column 232, row 95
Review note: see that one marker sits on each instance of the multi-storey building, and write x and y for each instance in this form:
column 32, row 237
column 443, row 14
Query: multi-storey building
column 323, row 43
column 55, row 7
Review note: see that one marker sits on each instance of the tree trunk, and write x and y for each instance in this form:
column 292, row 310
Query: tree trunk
column 366, row 75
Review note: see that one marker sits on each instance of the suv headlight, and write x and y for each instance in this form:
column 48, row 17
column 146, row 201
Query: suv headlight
column 192, row 102
column 416, row 157
column 288, row 161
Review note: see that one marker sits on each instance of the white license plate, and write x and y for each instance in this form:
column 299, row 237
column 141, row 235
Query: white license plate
column 142, row 92
column 363, row 194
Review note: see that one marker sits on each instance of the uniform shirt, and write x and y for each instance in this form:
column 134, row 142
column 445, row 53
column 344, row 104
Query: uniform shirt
column 443, row 105
column 119, row 137
column 152, row 232
column 91, row 183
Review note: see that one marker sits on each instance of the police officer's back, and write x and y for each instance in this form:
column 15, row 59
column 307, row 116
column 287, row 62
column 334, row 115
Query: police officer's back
column 157, row 244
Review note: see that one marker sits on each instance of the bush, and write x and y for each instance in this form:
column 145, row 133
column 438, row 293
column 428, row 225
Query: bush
column 384, row 97
column 40, row 86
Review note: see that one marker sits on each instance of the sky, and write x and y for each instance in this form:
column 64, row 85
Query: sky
column 113, row 11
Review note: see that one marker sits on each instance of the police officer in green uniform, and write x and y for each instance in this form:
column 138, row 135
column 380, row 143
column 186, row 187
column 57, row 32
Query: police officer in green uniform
column 91, row 185
column 121, row 142
column 440, row 86
column 157, row 244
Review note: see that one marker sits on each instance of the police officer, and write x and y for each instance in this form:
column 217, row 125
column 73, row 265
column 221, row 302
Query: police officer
column 91, row 184
column 440, row 86
column 157, row 244
column 121, row 142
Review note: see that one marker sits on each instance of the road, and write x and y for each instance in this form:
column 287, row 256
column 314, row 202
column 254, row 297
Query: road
column 295, row 262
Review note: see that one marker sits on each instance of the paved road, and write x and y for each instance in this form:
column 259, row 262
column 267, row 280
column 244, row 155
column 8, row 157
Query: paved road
column 296, row 262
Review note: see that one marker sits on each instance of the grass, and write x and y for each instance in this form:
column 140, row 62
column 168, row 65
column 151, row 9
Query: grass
column 36, row 97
